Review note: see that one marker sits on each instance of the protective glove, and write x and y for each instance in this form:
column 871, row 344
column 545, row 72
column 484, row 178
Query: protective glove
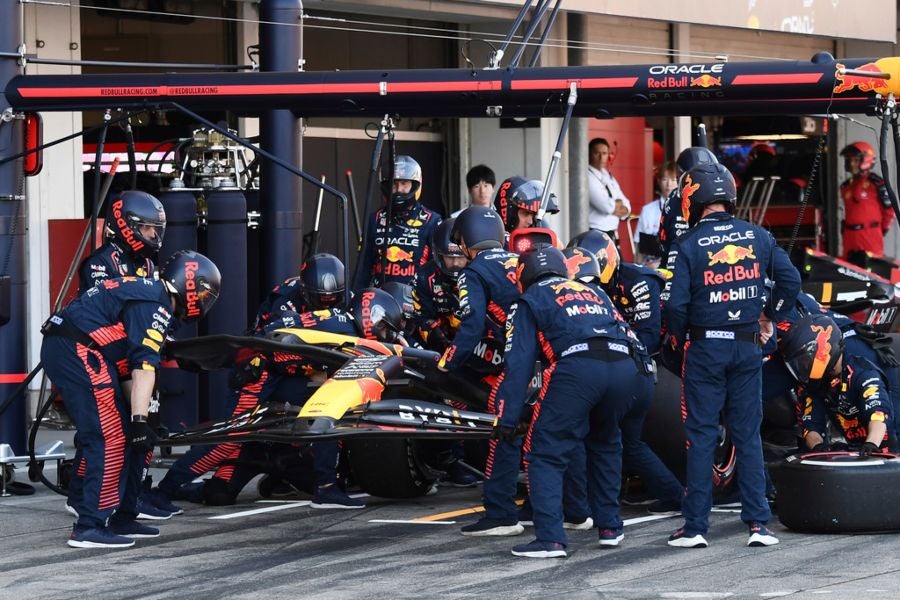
column 141, row 437
column 820, row 447
column 868, row 448
column 247, row 371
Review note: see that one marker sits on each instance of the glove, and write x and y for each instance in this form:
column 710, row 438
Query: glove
column 868, row 449
column 504, row 433
column 247, row 371
column 141, row 437
column 820, row 447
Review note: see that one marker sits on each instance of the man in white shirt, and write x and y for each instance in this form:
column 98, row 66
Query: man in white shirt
column 608, row 203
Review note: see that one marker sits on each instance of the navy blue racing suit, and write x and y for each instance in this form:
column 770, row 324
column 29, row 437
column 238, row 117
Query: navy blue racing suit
column 635, row 293
column 590, row 384
column 859, row 340
column 406, row 249
column 716, row 297
column 850, row 402
column 108, row 262
column 286, row 297
column 487, row 289
column 104, row 334
column 673, row 223
column 436, row 303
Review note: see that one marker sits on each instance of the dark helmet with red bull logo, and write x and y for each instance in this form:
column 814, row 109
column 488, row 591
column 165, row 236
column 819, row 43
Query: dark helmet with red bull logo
column 479, row 228
column 323, row 281
column 405, row 169
column 538, row 264
column 193, row 281
column 403, row 294
column 704, row 185
column 444, row 247
column 518, row 192
column 695, row 156
column 864, row 151
column 137, row 221
column 582, row 265
column 603, row 248
column 811, row 347
column 377, row 315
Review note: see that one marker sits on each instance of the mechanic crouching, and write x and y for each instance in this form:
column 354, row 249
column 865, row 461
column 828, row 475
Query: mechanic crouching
column 597, row 367
column 848, row 391
column 115, row 328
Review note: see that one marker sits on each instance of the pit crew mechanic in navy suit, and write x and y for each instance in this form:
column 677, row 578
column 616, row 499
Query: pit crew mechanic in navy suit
column 135, row 226
column 115, row 328
column 859, row 340
column 434, row 292
column 487, row 288
column 634, row 291
column 399, row 234
column 715, row 308
column 590, row 383
column 848, row 390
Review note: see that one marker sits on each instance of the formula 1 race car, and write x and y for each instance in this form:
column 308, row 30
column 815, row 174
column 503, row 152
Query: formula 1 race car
column 384, row 400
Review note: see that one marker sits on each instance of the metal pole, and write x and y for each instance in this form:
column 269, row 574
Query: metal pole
column 280, row 132
column 577, row 207
column 497, row 55
column 13, row 339
column 557, row 154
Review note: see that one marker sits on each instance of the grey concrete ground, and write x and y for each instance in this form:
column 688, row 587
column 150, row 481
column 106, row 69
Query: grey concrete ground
column 289, row 550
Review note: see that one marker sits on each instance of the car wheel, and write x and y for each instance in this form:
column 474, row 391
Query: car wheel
column 838, row 492
column 390, row 468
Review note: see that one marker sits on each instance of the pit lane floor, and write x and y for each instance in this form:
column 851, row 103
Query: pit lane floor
column 413, row 549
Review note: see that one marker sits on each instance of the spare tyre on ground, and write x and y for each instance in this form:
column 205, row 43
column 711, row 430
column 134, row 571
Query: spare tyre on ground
column 838, row 492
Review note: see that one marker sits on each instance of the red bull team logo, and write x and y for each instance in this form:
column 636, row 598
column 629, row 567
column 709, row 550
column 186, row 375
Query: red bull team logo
column 192, row 297
column 706, row 81
column 730, row 255
column 823, row 351
column 134, row 243
column 686, row 192
column 847, row 82
column 398, row 254
column 574, row 262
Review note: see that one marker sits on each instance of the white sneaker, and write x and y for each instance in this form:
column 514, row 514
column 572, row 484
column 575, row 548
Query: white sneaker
column 680, row 540
column 588, row 523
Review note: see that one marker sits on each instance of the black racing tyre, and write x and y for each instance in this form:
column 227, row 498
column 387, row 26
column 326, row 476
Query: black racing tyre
column 390, row 468
column 664, row 433
column 838, row 492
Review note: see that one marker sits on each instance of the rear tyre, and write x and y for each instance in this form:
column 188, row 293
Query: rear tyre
column 390, row 468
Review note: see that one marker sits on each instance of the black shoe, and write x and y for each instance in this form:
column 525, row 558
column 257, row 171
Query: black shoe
column 660, row 507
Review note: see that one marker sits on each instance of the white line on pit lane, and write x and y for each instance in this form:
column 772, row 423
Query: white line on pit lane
column 281, row 505
column 692, row 595
column 412, row 522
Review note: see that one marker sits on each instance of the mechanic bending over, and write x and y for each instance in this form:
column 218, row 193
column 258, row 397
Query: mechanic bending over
column 716, row 310
column 115, row 328
column 634, row 291
column 487, row 288
column 597, row 367
column 849, row 391
column 135, row 227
